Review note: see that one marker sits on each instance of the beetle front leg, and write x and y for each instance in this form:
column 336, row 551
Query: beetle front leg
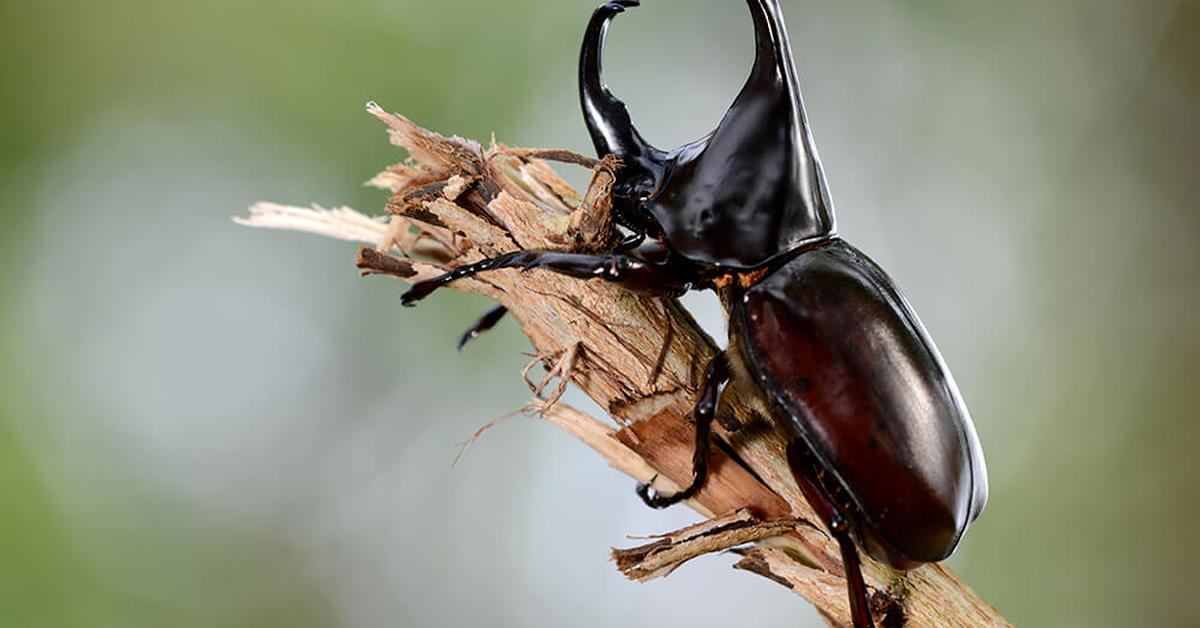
column 628, row 272
column 705, row 410
column 485, row 322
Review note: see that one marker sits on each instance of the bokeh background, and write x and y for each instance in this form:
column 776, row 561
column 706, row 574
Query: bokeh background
column 205, row 425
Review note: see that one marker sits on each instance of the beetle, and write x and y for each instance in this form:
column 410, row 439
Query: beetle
column 880, row 441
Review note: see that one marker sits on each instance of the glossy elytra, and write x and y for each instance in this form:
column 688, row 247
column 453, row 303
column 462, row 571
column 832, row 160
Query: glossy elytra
column 880, row 441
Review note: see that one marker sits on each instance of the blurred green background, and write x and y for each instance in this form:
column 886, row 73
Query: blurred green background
column 204, row 425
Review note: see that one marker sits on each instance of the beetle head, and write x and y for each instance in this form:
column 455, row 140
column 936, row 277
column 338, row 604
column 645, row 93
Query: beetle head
column 753, row 184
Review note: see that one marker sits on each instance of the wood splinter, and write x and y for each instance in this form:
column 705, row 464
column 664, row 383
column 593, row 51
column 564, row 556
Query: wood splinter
column 668, row 551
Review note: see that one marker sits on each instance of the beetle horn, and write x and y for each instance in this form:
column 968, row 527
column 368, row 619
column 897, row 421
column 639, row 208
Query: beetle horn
column 773, row 90
column 607, row 117
column 760, row 162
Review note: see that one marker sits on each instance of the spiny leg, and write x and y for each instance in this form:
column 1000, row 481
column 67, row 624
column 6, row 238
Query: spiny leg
column 707, row 403
column 485, row 322
column 629, row 272
column 496, row 313
column 860, row 608
column 806, row 469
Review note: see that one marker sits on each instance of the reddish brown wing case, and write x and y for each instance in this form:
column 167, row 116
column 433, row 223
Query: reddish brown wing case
column 851, row 370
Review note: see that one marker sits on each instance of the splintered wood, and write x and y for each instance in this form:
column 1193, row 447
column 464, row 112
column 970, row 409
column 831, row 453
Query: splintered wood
column 453, row 202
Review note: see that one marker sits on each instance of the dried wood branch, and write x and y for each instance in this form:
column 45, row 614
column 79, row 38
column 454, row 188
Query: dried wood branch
column 669, row 551
column 454, row 202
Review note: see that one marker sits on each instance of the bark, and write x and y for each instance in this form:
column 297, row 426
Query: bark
column 454, row 202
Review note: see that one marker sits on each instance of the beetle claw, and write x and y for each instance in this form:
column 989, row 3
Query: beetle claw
column 485, row 322
column 417, row 292
column 657, row 500
column 648, row 498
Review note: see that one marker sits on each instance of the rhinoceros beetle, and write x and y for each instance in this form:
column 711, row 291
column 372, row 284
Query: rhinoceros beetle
column 880, row 441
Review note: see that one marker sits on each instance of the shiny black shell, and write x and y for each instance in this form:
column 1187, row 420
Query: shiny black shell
column 841, row 356
column 754, row 189
column 851, row 371
column 742, row 196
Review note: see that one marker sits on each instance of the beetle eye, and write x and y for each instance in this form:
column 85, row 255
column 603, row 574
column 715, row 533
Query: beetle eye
column 644, row 188
column 633, row 188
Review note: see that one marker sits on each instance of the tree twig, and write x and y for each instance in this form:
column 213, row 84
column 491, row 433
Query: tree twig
column 454, row 202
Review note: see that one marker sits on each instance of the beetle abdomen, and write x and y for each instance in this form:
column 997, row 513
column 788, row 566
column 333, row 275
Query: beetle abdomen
column 853, row 372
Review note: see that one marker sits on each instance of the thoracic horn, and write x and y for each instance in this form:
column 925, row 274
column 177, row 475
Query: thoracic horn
column 762, row 152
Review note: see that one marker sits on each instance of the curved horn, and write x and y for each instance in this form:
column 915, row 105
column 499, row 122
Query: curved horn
column 773, row 78
column 607, row 117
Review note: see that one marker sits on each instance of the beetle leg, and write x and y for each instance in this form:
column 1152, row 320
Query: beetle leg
column 860, row 608
column 628, row 272
column 485, row 322
column 707, row 402
column 805, row 468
